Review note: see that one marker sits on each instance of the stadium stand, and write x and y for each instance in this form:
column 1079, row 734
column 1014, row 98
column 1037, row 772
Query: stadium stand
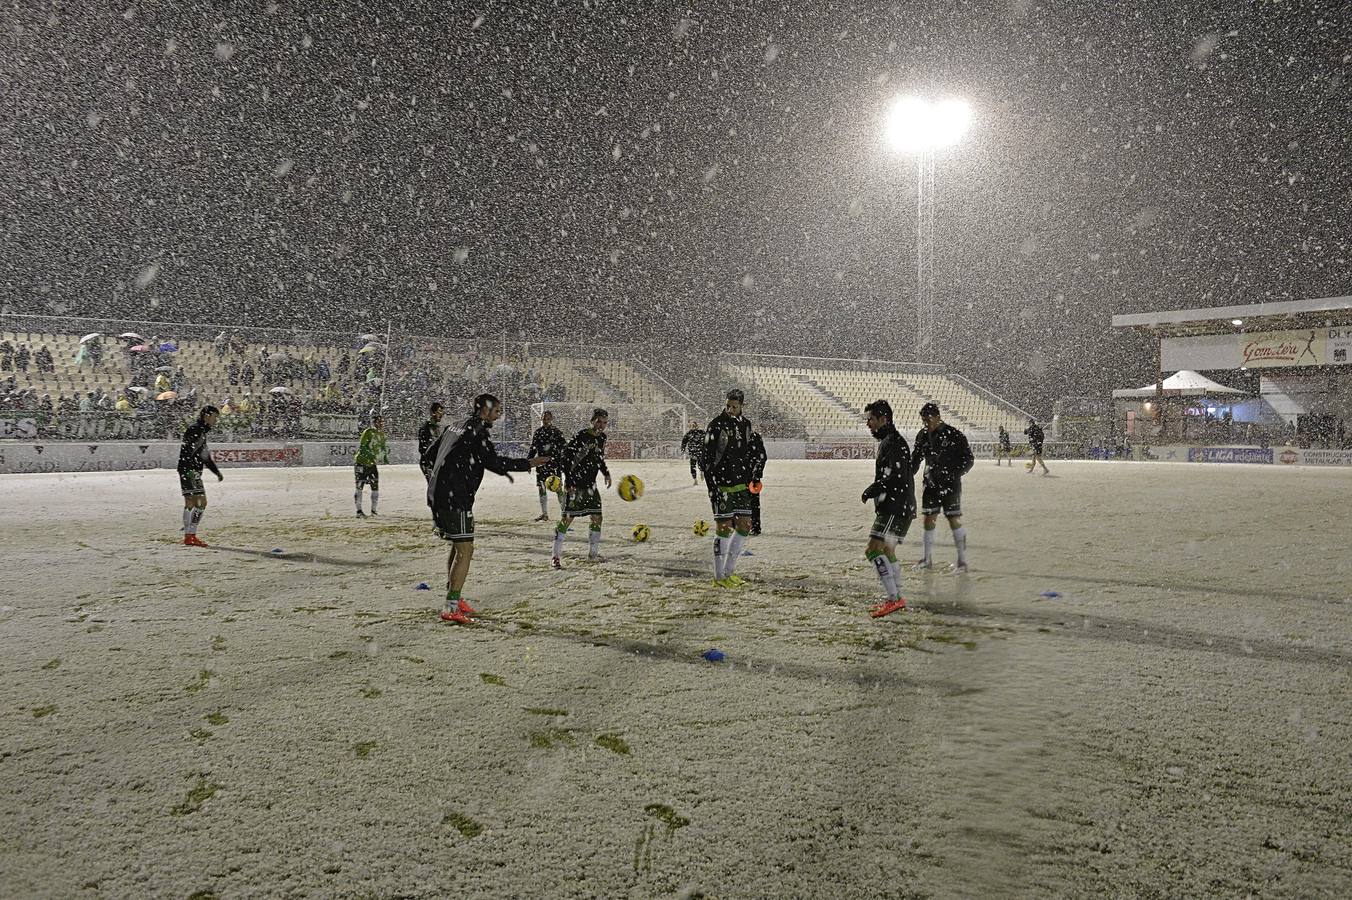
column 266, row 381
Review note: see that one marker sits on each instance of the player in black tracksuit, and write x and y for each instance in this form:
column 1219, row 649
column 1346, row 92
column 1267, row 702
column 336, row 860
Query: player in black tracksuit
column 692, row 444
column 193, row 455
column 582, row 460
column 428, row 434
column 547, row 441
column 1035, row 439
column 893, row 496
column 728, row 471
column 947, row 457
column 758, row 460
column 455, row 464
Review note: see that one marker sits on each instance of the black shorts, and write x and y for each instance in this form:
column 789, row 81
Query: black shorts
column 728, row 504
column 943, row 498
column 1006, row 447
column 190, row 483
column 367, row 475
column 456, row 525
column 1037, row 449
column 890, row 528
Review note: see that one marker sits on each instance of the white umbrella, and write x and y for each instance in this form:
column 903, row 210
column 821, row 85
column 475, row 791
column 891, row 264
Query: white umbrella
column 280, row 390
column 370, row 348
column 132, row 335
column 139, row 390
column 90, row 337
column 164, row 368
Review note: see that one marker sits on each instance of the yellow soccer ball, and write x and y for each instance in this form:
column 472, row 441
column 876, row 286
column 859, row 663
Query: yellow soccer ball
column 631, row 488
column 553, row 484
column 641, row 532
column 701, row 528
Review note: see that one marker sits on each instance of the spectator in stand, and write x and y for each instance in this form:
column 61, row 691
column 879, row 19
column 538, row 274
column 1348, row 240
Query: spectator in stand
column 162, row 383
column 124, row 405
column 6, row 356
column 46, row 404
column 344, row 363
column 246, row 377
column 232, row 374
column 21, row 359
column 43, row 359
column 94, row 352
column 87, row 403
column 322, row 371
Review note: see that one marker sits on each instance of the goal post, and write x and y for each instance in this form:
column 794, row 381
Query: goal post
column 643, row 429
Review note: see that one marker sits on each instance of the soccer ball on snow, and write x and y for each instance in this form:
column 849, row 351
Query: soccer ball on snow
column 1028, row 466
column 641, row 532
column 631, row 488
column 701, row 528
column 553, row 484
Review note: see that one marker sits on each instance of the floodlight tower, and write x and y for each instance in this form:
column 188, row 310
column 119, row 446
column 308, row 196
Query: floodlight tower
column 919, row 127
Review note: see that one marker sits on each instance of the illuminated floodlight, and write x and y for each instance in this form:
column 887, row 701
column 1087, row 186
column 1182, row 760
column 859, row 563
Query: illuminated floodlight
column 917, row 125
column 1236, row 322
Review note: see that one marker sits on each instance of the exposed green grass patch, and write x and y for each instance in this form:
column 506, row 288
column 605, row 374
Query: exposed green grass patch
column 614, row 743
column 363, row 748
column 370, row 693
column 340, row 654
column 413, row 659
column 43, row 711
column 544, row 711
column 197, row 795
column 490, row 678
column 200, row 735
column 218, row 643
column 202, row 680
column 463, row 824
column 551, row 737
column 217, row 718
column 52, row 665
column 665, row 814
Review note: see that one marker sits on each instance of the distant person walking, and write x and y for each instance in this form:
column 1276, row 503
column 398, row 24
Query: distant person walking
column 1035, row 439
column 1003, row 448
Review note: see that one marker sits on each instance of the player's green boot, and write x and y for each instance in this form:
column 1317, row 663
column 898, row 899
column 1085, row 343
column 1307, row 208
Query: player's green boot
column 735, row 580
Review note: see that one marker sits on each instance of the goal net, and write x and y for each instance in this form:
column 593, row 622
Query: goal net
column 634, row 427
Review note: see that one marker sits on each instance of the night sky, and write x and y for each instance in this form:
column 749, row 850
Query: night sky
column 713, row 175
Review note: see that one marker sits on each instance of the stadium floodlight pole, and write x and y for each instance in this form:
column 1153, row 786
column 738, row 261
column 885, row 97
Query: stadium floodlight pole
column 919, row 127
column 385, row 370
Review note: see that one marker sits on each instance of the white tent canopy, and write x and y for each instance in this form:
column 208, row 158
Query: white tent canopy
column 1181, row 384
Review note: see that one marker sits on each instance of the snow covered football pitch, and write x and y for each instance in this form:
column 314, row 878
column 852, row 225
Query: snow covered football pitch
column 234, row 722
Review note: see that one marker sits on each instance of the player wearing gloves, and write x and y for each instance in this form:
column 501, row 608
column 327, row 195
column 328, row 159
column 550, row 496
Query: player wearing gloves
column 893, row 496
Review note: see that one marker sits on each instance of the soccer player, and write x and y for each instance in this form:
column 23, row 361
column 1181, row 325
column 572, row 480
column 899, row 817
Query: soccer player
column 947, row 457
column 193, row 454
column 583, row 457
column 893, row 496
column 428, row 434
column 692, row 444
column 1003, row 449
column 371, row 449
column 455, row 464
column 758, row 460
column 1035, row 438
column 547, row 441
column 728, row 468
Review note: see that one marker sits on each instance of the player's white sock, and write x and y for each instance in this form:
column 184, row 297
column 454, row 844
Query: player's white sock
column 720, row 543
column 187, row 519
column 375, row 498
column 195, row 519
column 594, row 542
column 544, row 502
column 734, row 551
column 960, row 541
column 886, row 576
column 559, row 534
column 929, row 546
column 356, row 496
column 890, row 554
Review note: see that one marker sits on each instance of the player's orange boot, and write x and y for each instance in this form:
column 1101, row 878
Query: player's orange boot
column 888, row 607
column 193, row 540
column 462, row 607
column 456, row 616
